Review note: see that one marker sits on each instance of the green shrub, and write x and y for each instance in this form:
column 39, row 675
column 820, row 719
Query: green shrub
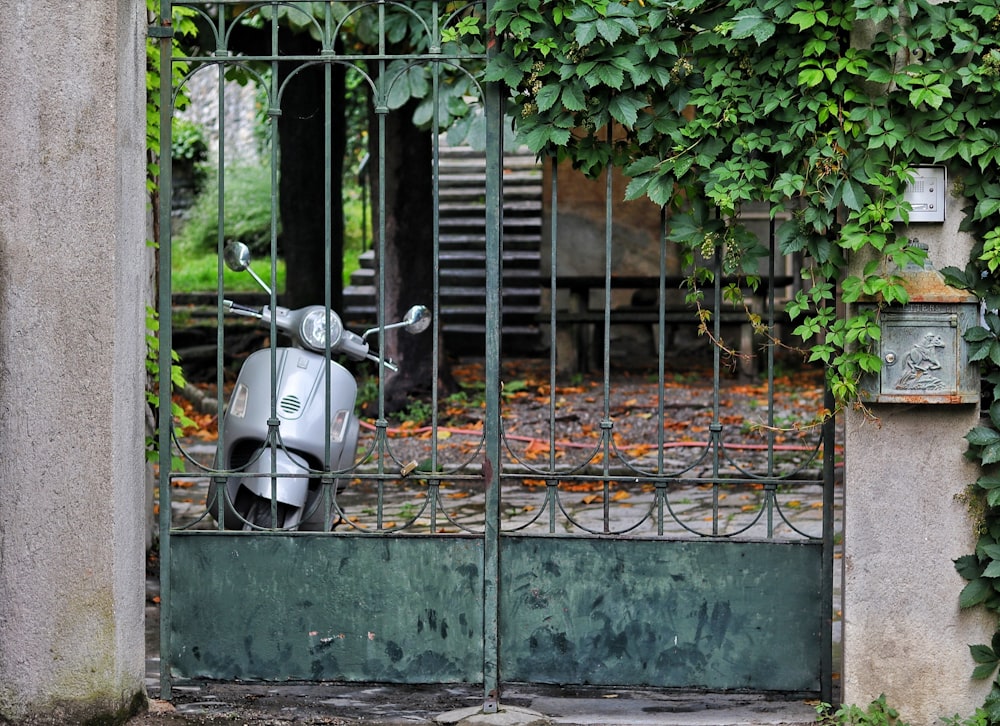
column 187, row 141
column 878, row 713
column 247, row 200
column 248, row 219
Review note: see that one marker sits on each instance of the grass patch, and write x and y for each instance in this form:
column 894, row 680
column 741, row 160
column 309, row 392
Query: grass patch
column 247, row 217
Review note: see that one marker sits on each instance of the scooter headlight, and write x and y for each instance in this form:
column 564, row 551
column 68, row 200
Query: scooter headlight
column 313, row 329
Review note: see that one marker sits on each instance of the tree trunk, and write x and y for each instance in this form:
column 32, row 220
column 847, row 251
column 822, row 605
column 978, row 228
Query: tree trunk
column 408, row 255
column 302, row 199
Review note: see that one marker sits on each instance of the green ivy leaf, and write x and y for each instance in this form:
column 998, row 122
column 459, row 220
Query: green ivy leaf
column 811, row 77
column 990, row 550
column 968, row 567
column 625, row 109
column 982, row 436
column 976, row 592
column 983, row 671
column 992, row 705
column 752, row 22
column 983, row 654
column 608, row 75
column 609, row 30
column 547, row 97
column 977, row 334
column 573, row 98
column 853, row 195
column 962, row 279
column 989, row 481
column 987, row 207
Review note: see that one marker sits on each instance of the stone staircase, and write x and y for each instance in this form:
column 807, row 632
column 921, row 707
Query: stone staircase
column 462, row 254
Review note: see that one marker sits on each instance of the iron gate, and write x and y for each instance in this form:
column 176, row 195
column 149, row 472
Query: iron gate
column 656, row 518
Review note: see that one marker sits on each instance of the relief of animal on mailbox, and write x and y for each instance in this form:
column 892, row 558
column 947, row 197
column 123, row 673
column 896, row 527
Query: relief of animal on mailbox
column 925, row 358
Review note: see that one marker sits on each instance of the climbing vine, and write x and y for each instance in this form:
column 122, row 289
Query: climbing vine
column 982, row 568
column 821, row 110
column 183, row 25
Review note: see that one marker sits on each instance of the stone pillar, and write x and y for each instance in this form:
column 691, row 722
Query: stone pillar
column 74, row 274
column 905, row 523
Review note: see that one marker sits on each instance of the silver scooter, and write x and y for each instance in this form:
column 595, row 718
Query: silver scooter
column 280, row 460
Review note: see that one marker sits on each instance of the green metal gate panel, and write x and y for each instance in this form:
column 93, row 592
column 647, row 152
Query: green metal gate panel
column 307, row 607
column 704, row 614
column 624, row 586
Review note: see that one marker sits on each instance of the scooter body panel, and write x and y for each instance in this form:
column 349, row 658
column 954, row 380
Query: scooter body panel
column 301, row 393
column 302, row 400
column 293, row 490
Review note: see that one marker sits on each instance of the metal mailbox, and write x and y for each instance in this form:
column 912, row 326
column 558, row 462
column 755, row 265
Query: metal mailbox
column 925, row 357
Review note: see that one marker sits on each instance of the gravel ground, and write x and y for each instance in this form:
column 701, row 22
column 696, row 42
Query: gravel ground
column 555, row 437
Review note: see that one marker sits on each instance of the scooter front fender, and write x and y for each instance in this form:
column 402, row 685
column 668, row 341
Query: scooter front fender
column 291, row 490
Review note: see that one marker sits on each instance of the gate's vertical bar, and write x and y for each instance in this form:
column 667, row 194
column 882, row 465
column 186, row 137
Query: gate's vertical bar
column 436, row 252
column 493, row 109
column 716, row 426
column 165, row 422
column 607, row 424
column 552, row 488
column 826, row 594
column 661, row 371
column 220, row 313
column 381, row 110
column 770, row 487
column 327, row 486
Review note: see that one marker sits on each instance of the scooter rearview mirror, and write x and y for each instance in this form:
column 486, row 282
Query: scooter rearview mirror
column 417, row 319
column 237, row 256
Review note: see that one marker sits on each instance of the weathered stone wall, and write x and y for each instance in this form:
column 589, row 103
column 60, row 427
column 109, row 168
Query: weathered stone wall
column 231, row 121
column 904, row 525
column 74, row 276
column 582, row 209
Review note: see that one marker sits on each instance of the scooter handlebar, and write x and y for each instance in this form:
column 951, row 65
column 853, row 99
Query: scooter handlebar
column 238, row 309
column 352, row 345
column 349, row 343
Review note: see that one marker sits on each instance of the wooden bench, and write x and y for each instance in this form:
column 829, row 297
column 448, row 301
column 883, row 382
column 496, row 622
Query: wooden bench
column 584, row 319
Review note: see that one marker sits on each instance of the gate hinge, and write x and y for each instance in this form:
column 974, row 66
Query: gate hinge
column 160, row 31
